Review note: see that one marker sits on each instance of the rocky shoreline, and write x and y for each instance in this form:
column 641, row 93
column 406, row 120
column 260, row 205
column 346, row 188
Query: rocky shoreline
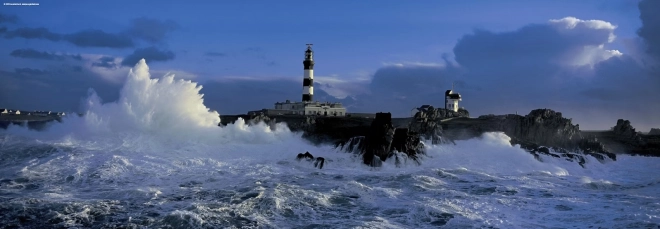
column 541, row 132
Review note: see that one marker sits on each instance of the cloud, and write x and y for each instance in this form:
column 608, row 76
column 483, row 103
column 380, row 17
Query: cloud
column 151, row 30
column 65, row 85
column 30, row 71
column 105, row 62
column 34, row 54
column 146, row 29
column 150, row 54
column 563, row 64
column 215, row 54
column 98, row 38
column 33, row 33
column 8, row 18
column 340, row 87
column 567, row 41
column 650, row 30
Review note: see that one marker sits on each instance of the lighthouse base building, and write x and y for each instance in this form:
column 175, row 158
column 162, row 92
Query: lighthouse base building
column 308, row 106
column 304, row 108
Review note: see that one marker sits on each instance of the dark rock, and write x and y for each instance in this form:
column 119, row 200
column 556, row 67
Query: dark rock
column 426, row 122
column 379, row 139
column 541, row 132
column 261, row 117
column 654, row 131
column 305, row 155
column 624, row 132
column 383, row 140
column 318, row 162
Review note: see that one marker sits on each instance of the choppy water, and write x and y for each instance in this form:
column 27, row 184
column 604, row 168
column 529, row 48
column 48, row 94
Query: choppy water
column 156, row 159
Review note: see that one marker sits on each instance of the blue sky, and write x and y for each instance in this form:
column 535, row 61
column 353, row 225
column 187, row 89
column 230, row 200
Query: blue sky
column 384, row 55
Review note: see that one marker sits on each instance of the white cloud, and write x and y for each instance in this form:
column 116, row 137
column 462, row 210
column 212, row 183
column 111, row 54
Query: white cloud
column 595, row 32
column 341, row 87
column 572, row 24
column 589, row 56
column 412, row 64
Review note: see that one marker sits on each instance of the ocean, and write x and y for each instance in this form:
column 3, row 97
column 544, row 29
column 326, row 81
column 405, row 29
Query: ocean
column 157, row 159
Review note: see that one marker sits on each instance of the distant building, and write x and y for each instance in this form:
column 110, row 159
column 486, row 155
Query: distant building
column 4, row 111
column 42, row 113
column 16, row 112
column 451, row 100
column 307, row 106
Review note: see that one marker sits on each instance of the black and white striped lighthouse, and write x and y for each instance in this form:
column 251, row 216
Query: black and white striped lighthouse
column 308, row 80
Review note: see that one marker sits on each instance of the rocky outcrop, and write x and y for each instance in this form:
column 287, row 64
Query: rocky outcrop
column 427, row 120
column 537, row 132
column 384, row 141
column 541, row 132
column 654, row 131
column 261, row 117
column 625, row 133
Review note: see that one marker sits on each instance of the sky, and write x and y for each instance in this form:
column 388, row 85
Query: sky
column 595, row 61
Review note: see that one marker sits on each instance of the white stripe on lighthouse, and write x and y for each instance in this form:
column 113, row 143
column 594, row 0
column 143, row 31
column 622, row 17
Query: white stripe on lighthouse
column 308, row 90
column 309, row 74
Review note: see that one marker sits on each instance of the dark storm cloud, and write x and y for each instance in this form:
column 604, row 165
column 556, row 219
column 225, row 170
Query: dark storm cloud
column 34, row 54
column 29, row 71
column 650, row 30
column 33, row 33
column 150, row 54
column 85, row 38
column 65, row 86
column 4, row 18
column 151, row 30
column 98, row 38
column 215, row 54
column 105, row 62
column 146, row 29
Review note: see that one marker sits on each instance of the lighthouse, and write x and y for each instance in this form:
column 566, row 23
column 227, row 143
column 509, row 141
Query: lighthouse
column 308, row 80
column 306, row 107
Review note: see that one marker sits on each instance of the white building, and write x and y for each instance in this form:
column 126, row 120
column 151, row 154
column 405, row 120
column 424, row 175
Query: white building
column 451, row 100
column 308, row 106
column 4, row 111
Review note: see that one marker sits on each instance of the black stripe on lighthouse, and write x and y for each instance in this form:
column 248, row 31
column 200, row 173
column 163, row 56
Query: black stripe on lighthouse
column 308, row 82
column 309, row 64
column 308, row 79
column 307, row 98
